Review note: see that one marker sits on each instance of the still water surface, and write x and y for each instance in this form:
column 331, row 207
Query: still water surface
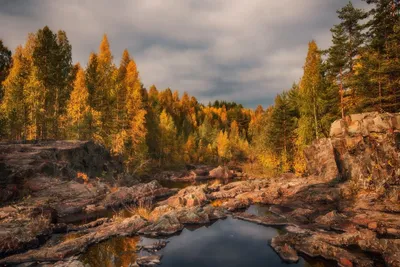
column 228, row 242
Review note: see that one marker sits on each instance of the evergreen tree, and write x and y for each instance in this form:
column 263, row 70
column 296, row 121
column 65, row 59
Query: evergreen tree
column 65, row 75
column 281, row 131
column 337, row 63
column 52, row 61
column 382, row 25
column 14, row 105
column 5, row 65
column 92, row 78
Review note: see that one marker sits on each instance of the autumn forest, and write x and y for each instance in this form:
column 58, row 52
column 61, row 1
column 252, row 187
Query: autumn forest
column 43, row 95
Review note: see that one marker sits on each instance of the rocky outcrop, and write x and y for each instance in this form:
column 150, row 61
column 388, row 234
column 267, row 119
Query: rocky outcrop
column 221, row 172
column 142, row 192
column 62, row 159
column 320, row 158
column 363, row 149
column 54, row 202
column 189, row 197
column 75, row 246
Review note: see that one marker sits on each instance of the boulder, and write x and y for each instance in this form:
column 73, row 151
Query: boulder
column 166, row 225
column 139, row 193
column 188, row 197
column 146, row 261
column 285, row 251
column 221, row 173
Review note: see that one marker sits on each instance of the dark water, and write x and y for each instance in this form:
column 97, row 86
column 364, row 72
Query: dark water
column 228, row 242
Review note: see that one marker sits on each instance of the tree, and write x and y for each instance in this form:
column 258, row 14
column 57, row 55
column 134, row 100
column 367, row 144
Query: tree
column 65, row 80
column 5, row 65
column 78, row 108
column 102, row 96
column 337, row 62
column 168, row 139
column 52, row 61
column 282, row 130
column 223, row 147
column 136, row 116
column 309, row 93
column 121, row 90
column 92, row 78
column 382, row 24
column 350, row 24
column 377, row 71
column 14, row 105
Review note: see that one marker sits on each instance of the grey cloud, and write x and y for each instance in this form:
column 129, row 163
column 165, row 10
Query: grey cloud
column 244, row 51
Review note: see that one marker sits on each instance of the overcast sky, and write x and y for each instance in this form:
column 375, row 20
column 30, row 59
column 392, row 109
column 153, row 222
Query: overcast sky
column 245, row 51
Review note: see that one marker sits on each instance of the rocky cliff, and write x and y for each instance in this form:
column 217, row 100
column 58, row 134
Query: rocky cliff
column 364, row 150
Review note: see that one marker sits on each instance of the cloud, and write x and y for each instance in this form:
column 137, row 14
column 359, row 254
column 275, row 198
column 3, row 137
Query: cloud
column 244, row 51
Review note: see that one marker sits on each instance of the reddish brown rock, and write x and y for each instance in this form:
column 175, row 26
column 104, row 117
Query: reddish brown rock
column 75, row 246
column 189, row 197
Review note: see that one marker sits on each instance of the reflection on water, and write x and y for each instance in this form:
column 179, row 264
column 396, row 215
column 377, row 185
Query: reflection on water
column 228, row 242
column 259, row 210
column 118, row 251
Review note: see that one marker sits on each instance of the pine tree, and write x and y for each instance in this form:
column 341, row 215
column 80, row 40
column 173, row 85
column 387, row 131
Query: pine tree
column 14, row 106
column 52, row 61
column 281, row 133
column 350, row 23
column 382, row 25
column 65, row 77
column 337, row 63
column 92, row 79
column 5, row 65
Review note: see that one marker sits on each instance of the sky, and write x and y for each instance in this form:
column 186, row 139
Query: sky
column 233, row 50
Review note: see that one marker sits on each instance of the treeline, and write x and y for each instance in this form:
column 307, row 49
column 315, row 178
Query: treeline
column 47, row 97
column 44, row 96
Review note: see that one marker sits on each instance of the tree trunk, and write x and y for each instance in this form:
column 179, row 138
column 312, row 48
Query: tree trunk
column 315, row 115
column 341, row 92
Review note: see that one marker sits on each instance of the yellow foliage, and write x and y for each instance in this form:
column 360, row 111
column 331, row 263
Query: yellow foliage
column 299, row 163
column 269, row 161
column 83, row 176
column 223, row 145
column 118, row 142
